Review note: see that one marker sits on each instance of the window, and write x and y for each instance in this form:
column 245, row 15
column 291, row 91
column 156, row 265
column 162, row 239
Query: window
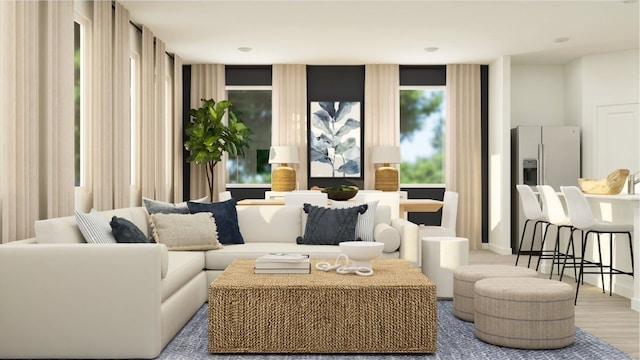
column 252, row 105
column 422, row 129
column 81, row 100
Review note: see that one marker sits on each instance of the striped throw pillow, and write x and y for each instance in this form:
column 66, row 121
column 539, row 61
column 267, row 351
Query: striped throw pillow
column 366, row 221
column 94, row 228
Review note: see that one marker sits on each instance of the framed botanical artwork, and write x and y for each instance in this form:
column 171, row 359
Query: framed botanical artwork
column 335, row 135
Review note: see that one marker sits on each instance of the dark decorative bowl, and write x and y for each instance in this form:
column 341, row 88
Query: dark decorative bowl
column 342, row 194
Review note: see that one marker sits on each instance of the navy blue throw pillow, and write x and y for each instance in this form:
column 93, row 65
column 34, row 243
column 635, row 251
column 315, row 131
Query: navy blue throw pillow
column 326, row 226
column 226, row 217
column 126, row 232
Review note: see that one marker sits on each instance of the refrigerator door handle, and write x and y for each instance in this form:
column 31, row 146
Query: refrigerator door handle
column 541, row 165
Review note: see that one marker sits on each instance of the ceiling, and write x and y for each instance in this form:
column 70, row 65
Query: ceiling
column 388, row 32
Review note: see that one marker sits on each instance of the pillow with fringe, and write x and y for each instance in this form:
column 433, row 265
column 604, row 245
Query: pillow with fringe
column 186, row 231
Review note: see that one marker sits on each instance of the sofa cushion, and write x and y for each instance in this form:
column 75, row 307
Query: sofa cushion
column 126, row 232
column 94, row 228
column 226, row 217
column 63, row 230
column 218, row 260
column 163, row 207
column 366, row 221
column 183, row 266
column 257, row 223
column 326, row 226
column 185, row 231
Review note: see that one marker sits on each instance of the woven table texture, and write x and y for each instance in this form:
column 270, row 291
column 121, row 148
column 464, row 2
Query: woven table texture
column 525, row 313
column 465, row 277
column 393, row 311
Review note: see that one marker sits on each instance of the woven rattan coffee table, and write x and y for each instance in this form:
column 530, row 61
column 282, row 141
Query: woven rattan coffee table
column 393, row 311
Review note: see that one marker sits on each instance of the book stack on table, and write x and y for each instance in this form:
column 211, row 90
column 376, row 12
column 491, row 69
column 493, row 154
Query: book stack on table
column 283, row 264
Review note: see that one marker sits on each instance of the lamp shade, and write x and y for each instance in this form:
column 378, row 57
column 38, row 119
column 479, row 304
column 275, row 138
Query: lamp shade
column 283, row 155
column 386, row 155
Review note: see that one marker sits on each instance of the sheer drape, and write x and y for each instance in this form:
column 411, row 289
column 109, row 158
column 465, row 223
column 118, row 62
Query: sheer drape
column 289, row 84
column 463, row 160
column 207, row 82
column 381, row 113
column 36, row 114
column 162, row 162
column 121, row 109
column 147, row 116
column 102, row 107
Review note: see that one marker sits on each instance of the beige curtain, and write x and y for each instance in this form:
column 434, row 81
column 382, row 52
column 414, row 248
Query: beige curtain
column 462, row 148
column 207, row 82
column 289, row 84
column 381, row 113
column 147, row 116
column 162, row 164
column 178, row 144
column 102, row 107
column 121, row 109
column 36, row 114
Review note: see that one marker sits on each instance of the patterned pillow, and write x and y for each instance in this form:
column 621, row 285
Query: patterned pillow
column 186, row 231
column 226, row 216
column 94, row 228
column 366, row 222
column 126, row 232
column 326, row 226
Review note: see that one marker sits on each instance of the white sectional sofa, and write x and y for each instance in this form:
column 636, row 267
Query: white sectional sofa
column 63, row 298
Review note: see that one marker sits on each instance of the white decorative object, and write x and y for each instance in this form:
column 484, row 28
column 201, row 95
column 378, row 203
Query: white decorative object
column 346, row 268
column 361, row 252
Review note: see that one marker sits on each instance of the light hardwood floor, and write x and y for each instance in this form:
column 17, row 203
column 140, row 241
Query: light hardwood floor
column 610, row 318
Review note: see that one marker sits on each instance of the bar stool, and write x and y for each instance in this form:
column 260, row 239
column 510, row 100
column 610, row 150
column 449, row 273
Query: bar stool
column 582, row 219
column 554, row 211
column 533, row 213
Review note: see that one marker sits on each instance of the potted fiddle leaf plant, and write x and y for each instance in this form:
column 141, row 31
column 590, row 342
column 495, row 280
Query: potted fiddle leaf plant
column 208, row 138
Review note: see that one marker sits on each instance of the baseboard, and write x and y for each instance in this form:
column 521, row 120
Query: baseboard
column 500, row 250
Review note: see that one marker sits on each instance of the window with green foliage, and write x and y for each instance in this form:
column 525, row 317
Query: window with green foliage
column 79, row 64
column 252, row 105
column 422, row 129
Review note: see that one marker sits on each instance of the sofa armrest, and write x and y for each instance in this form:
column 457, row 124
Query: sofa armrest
column 80, row 300
column 409, row 240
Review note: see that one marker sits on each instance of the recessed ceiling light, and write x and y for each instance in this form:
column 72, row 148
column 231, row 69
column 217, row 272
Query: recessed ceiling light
column 431, row 49
column 245, row 49
column 560, row 39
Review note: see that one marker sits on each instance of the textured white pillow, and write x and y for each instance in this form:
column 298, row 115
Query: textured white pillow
column 366, row 221
column 94, row 228
column 186, row 231
column 388, row 235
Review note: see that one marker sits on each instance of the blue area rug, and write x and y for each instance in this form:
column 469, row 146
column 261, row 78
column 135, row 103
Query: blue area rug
column 455, row 341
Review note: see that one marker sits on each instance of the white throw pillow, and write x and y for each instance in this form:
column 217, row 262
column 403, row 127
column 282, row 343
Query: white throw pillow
column 388, row 235
column 186, row 231
column 366, row 221
column 94, row 228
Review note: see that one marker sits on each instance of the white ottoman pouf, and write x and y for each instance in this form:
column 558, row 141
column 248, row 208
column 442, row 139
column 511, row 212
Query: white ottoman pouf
column 440, row 256
column 465, row 277
column 524, row 313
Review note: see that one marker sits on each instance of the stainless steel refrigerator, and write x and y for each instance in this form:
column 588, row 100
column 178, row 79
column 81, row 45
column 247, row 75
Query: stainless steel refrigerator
column 541, row 155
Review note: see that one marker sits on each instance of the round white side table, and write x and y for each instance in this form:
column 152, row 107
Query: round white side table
column 440, row 256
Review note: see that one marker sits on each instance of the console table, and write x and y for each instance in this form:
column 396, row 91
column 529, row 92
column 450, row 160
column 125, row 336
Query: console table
column 406, row 205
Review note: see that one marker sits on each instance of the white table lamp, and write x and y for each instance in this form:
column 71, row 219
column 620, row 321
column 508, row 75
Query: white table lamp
column 387, row 177
column 283, row 178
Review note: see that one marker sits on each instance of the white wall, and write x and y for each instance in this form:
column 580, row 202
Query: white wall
column 500, row 155
column 603, row 80
column 537, row 95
